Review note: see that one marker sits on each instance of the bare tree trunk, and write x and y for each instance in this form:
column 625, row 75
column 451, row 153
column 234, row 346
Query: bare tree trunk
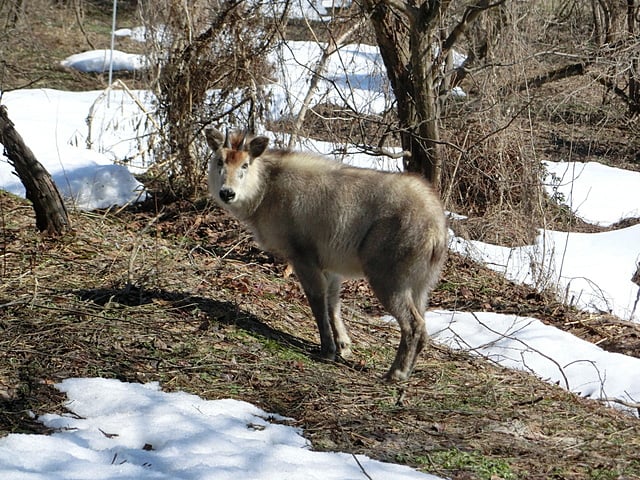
column 406, row 33
column 51, row 214
column 417, row 110
column 426, row 159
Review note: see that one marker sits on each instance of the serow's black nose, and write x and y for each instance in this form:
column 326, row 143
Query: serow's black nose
column 227, row 194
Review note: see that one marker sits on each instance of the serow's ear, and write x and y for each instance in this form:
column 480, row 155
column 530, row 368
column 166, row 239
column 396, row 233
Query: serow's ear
column 257, row 146
column 214, row 138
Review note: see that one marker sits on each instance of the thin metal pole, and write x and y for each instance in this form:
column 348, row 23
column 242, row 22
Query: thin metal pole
column 113, row 37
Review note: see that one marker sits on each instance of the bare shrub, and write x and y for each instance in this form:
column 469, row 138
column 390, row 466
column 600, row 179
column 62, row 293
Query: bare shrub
column 492, row 172
column 493, row 178
column 209, row 62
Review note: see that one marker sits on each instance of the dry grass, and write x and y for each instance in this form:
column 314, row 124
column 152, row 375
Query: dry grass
column 186, row 299
column 48, row 32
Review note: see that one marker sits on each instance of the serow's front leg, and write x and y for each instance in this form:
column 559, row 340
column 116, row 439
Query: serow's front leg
column 314, row 284
column 340, row 333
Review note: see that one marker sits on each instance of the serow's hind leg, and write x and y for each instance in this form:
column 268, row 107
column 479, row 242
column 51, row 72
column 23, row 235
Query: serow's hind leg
column 417, row 341
column 315, row 286
column 413, row 334
column 413, row 337
column 340, row 334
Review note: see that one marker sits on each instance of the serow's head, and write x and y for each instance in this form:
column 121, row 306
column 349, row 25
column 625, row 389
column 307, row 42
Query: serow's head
column 231, row 175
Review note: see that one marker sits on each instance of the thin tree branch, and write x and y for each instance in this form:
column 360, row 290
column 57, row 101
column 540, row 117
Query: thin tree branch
column 621, row 94
column 364, row 472
column 333, row 46
column 77, row 10
column 619, row 401
column 410, row 11
column 470, row 15
column 561, row 73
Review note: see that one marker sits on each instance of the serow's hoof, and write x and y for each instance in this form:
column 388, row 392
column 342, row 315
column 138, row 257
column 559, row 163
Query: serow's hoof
column 328, row 356
column 345, row 353
column 394, row 376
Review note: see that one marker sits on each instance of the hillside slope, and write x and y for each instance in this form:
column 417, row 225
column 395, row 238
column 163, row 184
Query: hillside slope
column 184, row 297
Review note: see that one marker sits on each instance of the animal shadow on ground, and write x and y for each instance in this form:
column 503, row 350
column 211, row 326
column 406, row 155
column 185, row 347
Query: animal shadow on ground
column 222, row 312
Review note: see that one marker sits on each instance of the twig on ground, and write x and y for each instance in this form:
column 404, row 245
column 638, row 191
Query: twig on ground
column 364, row 472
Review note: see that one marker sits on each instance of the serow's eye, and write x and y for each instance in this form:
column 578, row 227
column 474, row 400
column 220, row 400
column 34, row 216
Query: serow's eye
column 245, row 166
column 220, row 162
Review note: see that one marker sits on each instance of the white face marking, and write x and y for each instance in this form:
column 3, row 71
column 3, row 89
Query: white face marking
column 234, row 178
column 229, row 175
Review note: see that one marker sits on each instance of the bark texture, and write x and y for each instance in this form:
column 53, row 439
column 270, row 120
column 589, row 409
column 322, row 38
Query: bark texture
column 51, row 214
